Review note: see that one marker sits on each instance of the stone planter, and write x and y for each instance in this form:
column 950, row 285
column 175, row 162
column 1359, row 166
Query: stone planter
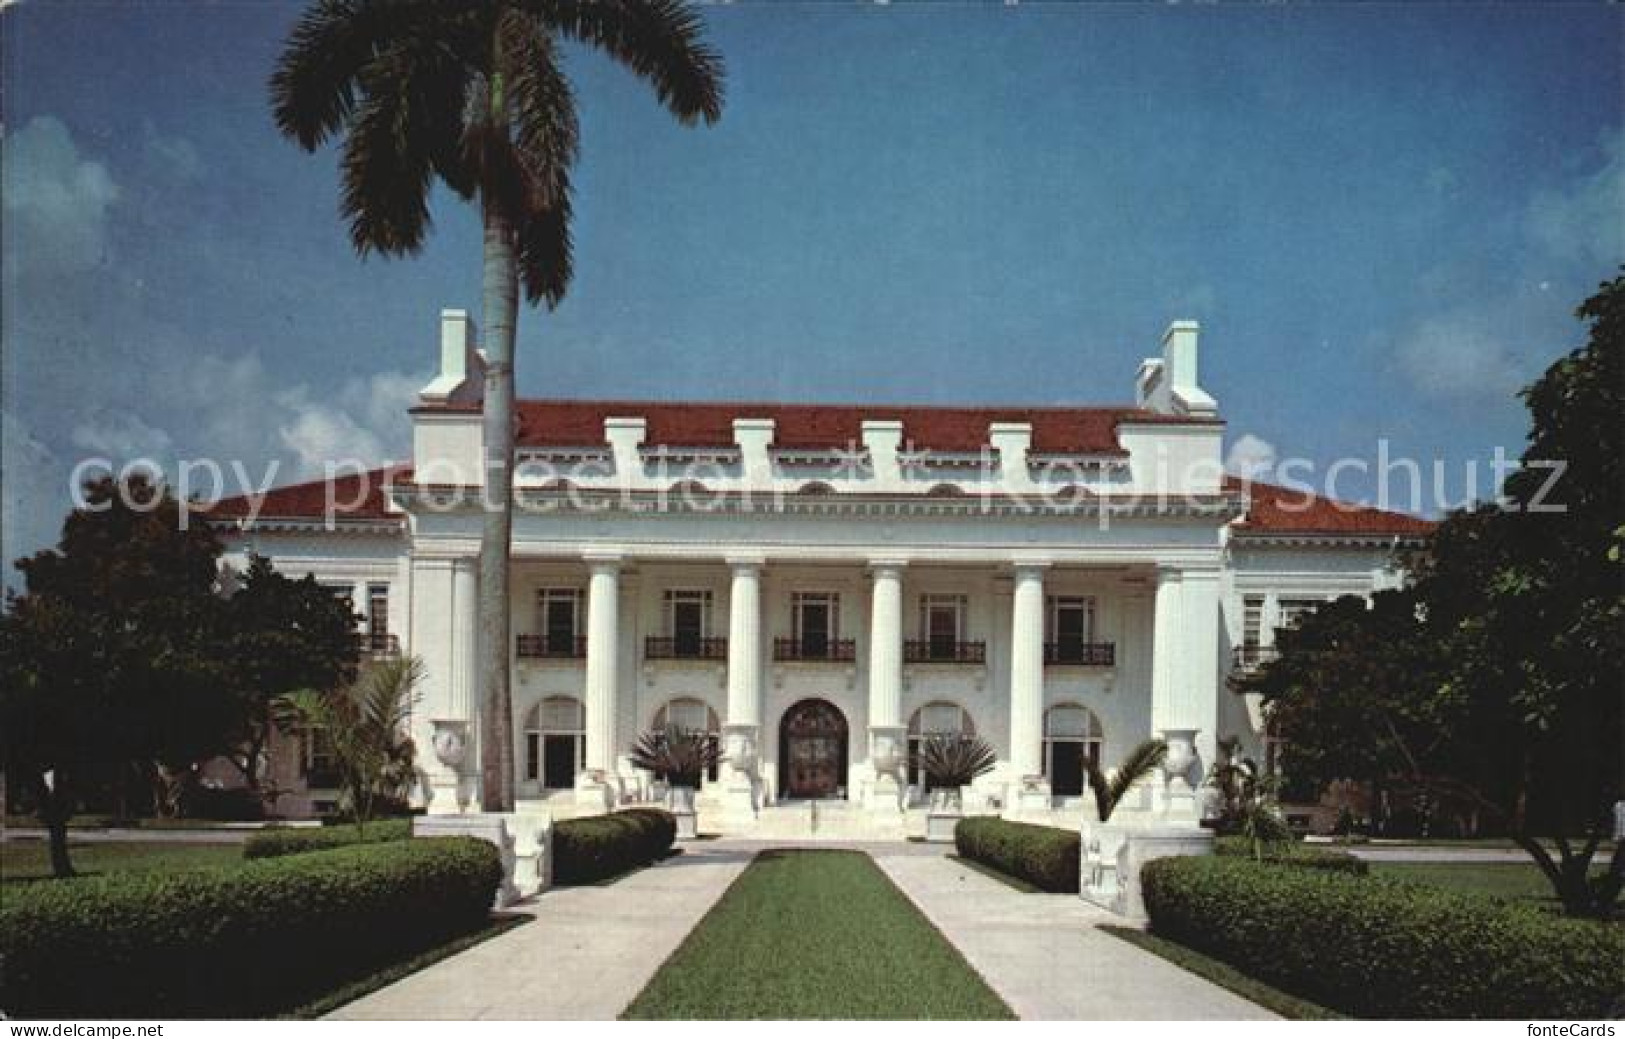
column 1113, row 856
column 940, row 824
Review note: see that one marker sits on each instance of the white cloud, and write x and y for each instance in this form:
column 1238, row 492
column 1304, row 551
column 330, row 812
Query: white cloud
column 1463, row 355
column 174, row 159
column 1585, row 220
column 120, row 436
column 1250, row 457
column 33, row 495
column 56, row 203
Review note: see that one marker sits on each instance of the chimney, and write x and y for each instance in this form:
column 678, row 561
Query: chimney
column 1172, row 384
column 461, row 378
column 754, row 436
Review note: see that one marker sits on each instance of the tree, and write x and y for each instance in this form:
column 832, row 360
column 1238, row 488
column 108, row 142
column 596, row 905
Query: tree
column 367, row 724
column 1247, row 804
column 106, row 656
column 279, row 635
column 472, row 94
column 1495, row 678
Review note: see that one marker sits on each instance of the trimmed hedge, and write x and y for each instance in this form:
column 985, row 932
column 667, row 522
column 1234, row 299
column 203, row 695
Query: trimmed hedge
column 1377, row 948
column 603, row 846
column 276, row 842
column 1043, row 856
column 245, row 941
column 1308, row 856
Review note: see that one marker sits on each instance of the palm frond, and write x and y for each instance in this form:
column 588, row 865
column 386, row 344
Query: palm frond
column 955, row 761
column 1139, row 763
column 545, row 253
column 660, row 41
column 677, row 755
column 313, row 87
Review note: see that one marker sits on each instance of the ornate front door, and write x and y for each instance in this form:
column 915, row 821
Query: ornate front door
column 812, row 750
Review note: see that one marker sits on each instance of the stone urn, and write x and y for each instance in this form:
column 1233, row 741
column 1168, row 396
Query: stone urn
column 1181, row 756
column 450, row 742
column 886, row 756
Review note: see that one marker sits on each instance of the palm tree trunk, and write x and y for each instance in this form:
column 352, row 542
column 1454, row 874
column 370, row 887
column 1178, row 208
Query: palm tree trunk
column 496, row 705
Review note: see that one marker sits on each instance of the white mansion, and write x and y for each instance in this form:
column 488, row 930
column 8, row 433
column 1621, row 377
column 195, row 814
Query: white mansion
column 820, row 586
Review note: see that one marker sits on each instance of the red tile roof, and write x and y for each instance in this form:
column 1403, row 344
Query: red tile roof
column 579, row 423
column 354, row 496
column 1284, row 510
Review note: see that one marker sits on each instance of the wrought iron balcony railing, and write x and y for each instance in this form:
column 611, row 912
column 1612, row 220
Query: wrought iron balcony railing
column 1095, row 654
column 661, row 647
column 550, row 647
column 1249, row 657
column 835, row 651
column 933, row 651
column 379, row 644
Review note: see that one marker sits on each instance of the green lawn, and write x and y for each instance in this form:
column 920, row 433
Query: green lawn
column 1511, row 881
column 27, row 861
column 815, row 935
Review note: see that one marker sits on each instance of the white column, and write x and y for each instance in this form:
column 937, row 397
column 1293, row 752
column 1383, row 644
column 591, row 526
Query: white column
column 1269, row 618
column 440, row 626
column 1027, row 674
column 465, row 650
column 1185, row 678
column 603, row 653
column 1201, row 674
column 741, row 731
column 886, row 732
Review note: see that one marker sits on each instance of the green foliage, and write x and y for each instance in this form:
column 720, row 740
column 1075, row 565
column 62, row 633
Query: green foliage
column 677, row 755
column 815, row 935
column 602, row 846
column 279, row 635
column 955, row 761
column 279, row 841
column 1292, row 853
column 1374, row 948
column 1136, row 765
column 1043, row 856
column 366, row 724
column 1247, row 800
column 171, row 945
column 1493, row 681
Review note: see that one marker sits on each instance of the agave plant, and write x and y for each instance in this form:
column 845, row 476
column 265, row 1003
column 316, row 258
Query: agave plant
column 955, row 761
column 677, row 755
column 1110, row 789
column 366, row 725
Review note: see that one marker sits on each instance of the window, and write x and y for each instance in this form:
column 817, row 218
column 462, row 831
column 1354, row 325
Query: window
column 558, row 619
column 942, row 624
column 939, row 718
column 1293, row 610
column 555, row 742
column 1252, row 620
column 1072, row 740
column 378, row 609
column 319, row 765
column 690, row 715
column 815, row 622
column 688, row 622
column 1071, row 628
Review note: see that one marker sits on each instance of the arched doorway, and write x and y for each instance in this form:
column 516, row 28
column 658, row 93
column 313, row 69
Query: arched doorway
column 812, row 750
column 1072, row 741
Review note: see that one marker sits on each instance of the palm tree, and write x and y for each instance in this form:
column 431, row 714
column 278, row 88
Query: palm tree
column 471, row 93
column 1110, row 789
column 367, row 724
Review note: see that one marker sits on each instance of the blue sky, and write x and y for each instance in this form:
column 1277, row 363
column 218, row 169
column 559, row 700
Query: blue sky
column 1383, row 216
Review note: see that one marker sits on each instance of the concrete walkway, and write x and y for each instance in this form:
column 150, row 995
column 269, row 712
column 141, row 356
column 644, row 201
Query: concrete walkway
column 1045, row 956
column 590, row 950
column 584, row 957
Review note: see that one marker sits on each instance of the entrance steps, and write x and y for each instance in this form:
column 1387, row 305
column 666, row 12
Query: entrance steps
column 817, row 821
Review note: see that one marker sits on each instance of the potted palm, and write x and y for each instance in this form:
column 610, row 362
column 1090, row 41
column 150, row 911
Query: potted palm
column 680, row 758
column 949, row 764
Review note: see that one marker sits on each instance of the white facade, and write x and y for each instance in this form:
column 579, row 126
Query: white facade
column 1076, row 583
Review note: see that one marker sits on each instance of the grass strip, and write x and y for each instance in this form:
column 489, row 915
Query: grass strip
column 815, row 935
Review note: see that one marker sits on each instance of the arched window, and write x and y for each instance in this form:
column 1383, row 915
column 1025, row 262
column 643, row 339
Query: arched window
column 691, row 715
column 945, row 490
column 1072, row 737
column 938, row 718
column 815, row 487
column 555, row 742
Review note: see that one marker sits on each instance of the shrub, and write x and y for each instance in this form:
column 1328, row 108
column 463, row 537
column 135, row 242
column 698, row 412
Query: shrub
column 230, row 804
column 1377, row 948
column 245, row 941
column 1296, row 854
column 603, row 846
column 1043, row 856
column 272, row 843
